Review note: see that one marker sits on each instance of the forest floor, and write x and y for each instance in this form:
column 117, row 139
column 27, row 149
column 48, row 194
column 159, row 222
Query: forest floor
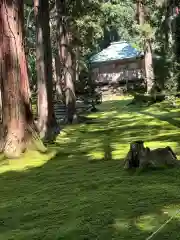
column 79, row 191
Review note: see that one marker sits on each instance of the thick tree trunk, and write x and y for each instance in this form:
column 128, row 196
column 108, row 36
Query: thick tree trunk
column 15, row 117
column 149, row 69
column 25, row 87
column 2, row 77
column 69, row 86
column 64, row 40
column 46, row 114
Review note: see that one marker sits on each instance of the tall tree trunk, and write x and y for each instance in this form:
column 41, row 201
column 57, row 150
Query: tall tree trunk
column 2, row 77
column 16, row 110
column 46, row 114
column 77, row 63
column 58, row 78
column 25, row 87
column 149, row 69
column 64, row 39
column 69, row 83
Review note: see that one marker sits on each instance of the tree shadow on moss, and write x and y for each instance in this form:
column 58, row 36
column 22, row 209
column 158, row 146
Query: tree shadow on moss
column 165, row 118
column 76, row 195
column 71, row 198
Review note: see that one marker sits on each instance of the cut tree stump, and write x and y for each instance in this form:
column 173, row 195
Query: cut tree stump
column 142, row 157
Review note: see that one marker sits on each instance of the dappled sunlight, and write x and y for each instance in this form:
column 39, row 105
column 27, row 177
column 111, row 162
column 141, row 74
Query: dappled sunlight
column 117, row 151
column 30, row 159
column 153, row 221
column 155, row 144
column 172, row 211
column 120, row 152
column 122, row 128
column 177, row 118
column 95, row 155
column 117, row 126
column 79, row 188
column 150, row 222
column 105, row 115
column 164, row 107
column 121, row 224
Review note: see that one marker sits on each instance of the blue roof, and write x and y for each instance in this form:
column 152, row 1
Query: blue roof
column 116, row 51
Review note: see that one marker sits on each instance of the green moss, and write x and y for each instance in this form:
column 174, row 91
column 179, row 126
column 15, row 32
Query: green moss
column 72, row 193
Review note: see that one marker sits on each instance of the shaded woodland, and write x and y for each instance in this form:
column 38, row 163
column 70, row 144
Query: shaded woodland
column 64, row 144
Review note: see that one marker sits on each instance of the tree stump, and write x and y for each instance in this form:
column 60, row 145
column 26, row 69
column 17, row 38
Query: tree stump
column 142, row 157
column 133, row 157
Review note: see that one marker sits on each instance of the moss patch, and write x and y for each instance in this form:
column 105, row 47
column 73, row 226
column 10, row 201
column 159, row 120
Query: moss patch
column 76, row 192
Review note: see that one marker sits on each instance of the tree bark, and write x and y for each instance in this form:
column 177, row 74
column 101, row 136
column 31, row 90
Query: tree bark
column 64, row 39
column 149, row 69
column 58, row 78
column 2, row 77
column 75, row 62
column 16, row 114
column 25, row 88
column 69, row 87
column 46, row 114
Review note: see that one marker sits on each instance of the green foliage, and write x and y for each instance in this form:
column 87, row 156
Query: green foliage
column 107, row 21
column 146, row 31
column 94, row 24
column 164, row 42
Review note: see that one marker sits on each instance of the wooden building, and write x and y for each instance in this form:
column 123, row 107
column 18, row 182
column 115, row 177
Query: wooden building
column 119, row 66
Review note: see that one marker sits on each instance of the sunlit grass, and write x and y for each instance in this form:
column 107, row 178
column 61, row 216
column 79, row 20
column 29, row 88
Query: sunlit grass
column 30, row 159
column 78, row 189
